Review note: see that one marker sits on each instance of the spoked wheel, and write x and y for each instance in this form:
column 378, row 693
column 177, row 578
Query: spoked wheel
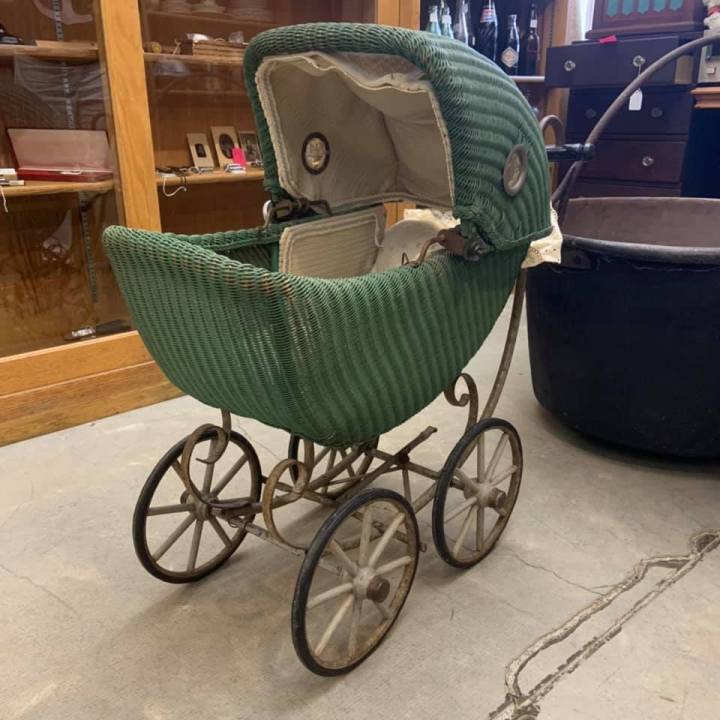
column 324, row 459
column 354, row 580
column 476, row 492
column 176, row 539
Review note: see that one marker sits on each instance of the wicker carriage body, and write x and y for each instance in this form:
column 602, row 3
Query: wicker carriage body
column 340, row 360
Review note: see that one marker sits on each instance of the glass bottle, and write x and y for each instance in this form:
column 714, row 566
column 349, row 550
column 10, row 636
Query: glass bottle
column 486, row 35
column 433, row 24
column 446, row 22
column 510, row 56
column 461, row 22
column 531, row 49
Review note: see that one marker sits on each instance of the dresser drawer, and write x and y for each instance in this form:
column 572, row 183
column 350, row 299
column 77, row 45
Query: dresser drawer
column 637, row 161
column 662, row 113
column 593, row 64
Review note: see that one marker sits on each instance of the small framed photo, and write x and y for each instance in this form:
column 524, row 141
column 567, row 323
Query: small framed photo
column 251, row 147
column 200, row 151
column 225, row 139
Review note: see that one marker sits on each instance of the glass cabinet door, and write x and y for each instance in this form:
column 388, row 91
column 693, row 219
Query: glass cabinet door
column 56, row 179
column 199, row 108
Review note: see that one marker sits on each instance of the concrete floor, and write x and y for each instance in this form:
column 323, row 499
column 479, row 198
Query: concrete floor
column 86, row 633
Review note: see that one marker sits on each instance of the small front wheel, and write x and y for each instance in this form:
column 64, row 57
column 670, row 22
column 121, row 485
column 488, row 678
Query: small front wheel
column 354, row 581
column 176, row 538
column 476, row 492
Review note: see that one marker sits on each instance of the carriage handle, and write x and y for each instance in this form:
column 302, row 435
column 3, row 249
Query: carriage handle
column 562, row 194
column 561, row 150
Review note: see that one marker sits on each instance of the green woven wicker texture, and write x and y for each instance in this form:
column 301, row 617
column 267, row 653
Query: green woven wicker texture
column 485, row 113
column 335, row 361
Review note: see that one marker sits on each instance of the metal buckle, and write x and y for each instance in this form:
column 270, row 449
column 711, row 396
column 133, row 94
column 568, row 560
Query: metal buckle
column 279, row 210
column 288, row 209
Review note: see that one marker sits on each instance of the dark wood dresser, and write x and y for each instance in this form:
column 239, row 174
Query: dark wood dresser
column 658, row 150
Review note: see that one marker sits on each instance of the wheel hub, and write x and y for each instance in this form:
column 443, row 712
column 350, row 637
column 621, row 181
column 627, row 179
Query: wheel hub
column 369, row 585
column 487, row 496
column 200, row 509
column 378, row 589
column 497, row 499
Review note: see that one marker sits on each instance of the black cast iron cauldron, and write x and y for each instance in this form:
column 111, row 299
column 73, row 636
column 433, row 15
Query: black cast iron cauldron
column 625, row 334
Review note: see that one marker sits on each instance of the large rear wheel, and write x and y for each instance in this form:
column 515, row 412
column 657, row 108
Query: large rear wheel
column 476, row 492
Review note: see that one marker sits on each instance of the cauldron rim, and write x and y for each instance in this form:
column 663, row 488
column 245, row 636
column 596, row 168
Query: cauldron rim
column 704, row 210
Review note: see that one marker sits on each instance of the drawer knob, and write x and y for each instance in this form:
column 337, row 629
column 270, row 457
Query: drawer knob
column 590, row 113
column 638, row 61
column 569, row 65
column 648, row 161
column 656, row 113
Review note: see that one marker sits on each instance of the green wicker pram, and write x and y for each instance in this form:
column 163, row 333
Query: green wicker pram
column 340, row 360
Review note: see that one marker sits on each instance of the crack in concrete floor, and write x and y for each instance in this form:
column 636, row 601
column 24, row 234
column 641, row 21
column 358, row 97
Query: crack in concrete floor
column 514, row 554
column 519, row 705
column 40, row 587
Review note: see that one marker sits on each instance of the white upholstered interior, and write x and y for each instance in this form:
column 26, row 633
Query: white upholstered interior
column 381, row 119
column 333, row 247
column 405, row 238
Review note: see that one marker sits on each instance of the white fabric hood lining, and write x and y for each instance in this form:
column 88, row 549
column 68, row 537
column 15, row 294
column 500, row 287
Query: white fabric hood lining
column 387, row 137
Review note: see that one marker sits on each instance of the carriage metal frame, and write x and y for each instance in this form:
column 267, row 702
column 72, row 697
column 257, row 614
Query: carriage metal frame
column 343, row 487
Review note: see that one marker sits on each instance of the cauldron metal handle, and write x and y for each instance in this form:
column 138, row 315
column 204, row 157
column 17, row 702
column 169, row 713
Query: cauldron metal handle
column 562, row 193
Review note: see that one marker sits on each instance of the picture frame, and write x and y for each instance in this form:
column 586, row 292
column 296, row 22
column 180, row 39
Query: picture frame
column 225, row 139
column 200, row 151
column 251, row 147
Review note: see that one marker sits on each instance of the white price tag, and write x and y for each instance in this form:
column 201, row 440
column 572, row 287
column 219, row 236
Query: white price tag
column 636, row 100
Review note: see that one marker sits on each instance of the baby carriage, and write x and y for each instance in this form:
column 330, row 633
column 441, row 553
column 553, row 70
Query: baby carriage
column 319, row 324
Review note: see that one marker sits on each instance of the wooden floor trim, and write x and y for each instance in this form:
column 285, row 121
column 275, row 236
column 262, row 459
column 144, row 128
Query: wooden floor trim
column 41, row 410
column 69, row 362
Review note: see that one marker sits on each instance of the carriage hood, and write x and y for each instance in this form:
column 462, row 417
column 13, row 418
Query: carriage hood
column 356, row 114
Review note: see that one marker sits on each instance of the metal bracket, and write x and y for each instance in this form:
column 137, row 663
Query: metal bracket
column 453, row 242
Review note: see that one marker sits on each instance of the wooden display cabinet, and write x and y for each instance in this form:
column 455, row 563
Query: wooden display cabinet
column 54, row 277
column 113, row 65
